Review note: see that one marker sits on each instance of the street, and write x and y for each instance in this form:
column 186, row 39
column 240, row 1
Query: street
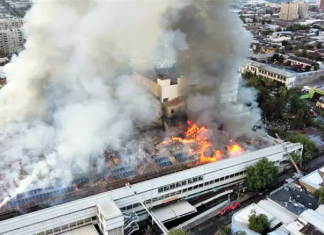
column 212, row 225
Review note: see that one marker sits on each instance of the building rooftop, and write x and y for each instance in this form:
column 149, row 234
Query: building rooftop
column 176, row 101
column 301, row 60
column 293, row 200
column 271, row 69
column 313, row 179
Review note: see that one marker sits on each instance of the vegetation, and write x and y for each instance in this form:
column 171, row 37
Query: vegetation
column 224, row 231
column 297, row 27
column 320, row 194
column 308, row 145
column 259, row 223
column 175, row 231
column 261, row 174
column 148, row 231
column 278, row 103
column 240, row 233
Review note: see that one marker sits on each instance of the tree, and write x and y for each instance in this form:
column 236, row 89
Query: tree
column 259, row 223
column 307, row 68
column 175, row 231
column 224, row 231
column 320, row 194
column 308, row 145
column 261, row 174
column 148, row 231
column 240, row 233
column 281, row 59
column 304, row 53
column 284, row 42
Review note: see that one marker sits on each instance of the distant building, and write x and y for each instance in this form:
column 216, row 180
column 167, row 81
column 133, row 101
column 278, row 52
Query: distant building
column 293, row 10
column 321, row 6
column 11, row 23
column 11, row 41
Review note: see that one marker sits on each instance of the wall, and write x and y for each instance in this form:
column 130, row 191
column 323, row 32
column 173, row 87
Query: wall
column 151, row 85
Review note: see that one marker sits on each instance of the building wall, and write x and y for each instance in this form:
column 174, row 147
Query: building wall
column 303, row 10
column 11, row 41
column 263, row 73
column 289, row 11
column 171, row 111
column 151, row 85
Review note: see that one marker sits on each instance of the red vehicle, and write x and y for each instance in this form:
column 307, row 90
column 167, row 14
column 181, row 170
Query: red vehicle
column 235, row 205
column 224, row 211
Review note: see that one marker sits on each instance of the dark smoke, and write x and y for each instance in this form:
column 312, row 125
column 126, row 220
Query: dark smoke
column 215, row 45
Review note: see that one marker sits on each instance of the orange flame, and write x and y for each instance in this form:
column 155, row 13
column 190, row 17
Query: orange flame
column 196, row 135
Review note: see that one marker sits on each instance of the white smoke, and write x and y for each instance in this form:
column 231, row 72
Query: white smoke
column 65, row 100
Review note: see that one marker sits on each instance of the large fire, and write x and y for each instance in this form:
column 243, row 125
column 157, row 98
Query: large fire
column 197, row 136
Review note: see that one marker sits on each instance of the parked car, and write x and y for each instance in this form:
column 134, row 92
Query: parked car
column 224, row 211
column 235, row 206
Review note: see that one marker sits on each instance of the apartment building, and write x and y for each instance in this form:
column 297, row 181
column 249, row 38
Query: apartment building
column 11, row 41
column 10, row 23
column 293, row 10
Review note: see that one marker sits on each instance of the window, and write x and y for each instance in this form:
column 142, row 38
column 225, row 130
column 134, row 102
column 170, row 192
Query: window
column 136, row 205
column 72, row 225
column 184, row 190
column 172, row 111
column 200, row 177
column 167, row 187
column 190, row 188
column 221, row 179
column 212, row 181
column 129, row 207
column 65, row 227
column 58, row 229
column 42, row 233
column 178, row 184
column 184, row 183
column 165, row 100
column 207, row 183
column 201, row 185
column 95, row 217
column 178, row 192
column 172, row 186
column 49, row 232
column 80, row 222
column 195, row 179
column 154, row 199
column 148, row 201
column 190, row 181
column 160, row 190
column 172, row 194
column 196, row 186
column 216, row 180
column 88, row 220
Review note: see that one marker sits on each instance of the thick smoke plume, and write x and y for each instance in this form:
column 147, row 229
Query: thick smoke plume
column 67, row 100
column 215, row 45
column 69, row 97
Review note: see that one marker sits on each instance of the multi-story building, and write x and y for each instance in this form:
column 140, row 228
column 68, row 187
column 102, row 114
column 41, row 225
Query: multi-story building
column 11, row 41
column 116, row 207
column 303, row 10
column 10, row 23
column 289, row 11
column 293, row 10
column 321, row 5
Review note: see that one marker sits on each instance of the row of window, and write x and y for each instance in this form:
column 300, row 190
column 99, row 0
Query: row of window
column 216, row 181
column 266, row 73
column 68, row 227
column 180, row 184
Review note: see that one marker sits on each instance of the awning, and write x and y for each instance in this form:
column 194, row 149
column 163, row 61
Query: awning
column 174, row 211
column 86, row 230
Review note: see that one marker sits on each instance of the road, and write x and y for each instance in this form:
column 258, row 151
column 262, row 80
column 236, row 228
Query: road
column 212, row 225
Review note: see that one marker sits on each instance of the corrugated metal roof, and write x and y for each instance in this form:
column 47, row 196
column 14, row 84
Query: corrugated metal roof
column 280, row 213
column 174, row 211
column 313, row 218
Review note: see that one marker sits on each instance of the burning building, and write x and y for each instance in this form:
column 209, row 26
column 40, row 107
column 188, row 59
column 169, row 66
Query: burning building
column 75, row 150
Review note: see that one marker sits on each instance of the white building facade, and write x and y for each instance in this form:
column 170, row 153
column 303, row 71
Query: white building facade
column 159, row 191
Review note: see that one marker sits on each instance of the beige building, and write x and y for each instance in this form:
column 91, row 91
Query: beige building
column 164, row 87
column 10, row 23
column 11, row 41
column 266, row 71
column 293, row 10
